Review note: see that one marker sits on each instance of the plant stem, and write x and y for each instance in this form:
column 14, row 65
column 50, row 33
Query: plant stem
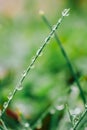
column 70, row 116
column 41, row 117
column 67, row 59
column 81, row 121
column 47, row 39
column 4, row 126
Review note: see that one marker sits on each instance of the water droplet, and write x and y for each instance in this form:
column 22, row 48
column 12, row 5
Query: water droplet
column 59, row 107
column 60, row 20
column 5, row 104
column 52, row 111
column 76, row 120
column 39, row 124
column 24, row 73
column 33, row 59
column 54, row 27
column 19, row 87
column 38, row 52
column 10, row 95
column 65, row 12
column 47, row 40
column 27, row 124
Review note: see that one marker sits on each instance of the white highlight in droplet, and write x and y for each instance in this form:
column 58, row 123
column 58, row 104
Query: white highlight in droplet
column 65, row 12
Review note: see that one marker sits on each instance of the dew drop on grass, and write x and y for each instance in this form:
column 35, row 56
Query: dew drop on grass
column 24, row 73
column 39, row 124
column 5, row 104
column 47, row 40
column 38, row 52
column 60, row 20
column 19, row 87
column 32, row 59
column 76, row 120
column 65, row 12
column 10, row 95
column 54, row 27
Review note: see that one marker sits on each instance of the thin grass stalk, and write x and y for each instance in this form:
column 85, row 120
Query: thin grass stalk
column 47, row 39
column 46, row 111
column 3, row 124
column 67, row 59
column 41, row 117
column 70, row 116
column 81, row 121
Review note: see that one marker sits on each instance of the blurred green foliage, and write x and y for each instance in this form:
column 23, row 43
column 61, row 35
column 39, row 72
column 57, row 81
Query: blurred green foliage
column 50, row 81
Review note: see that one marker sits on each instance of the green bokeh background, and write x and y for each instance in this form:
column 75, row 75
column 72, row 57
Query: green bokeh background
column 22, row 32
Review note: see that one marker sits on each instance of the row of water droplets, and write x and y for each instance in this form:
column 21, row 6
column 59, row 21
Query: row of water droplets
column 38, row 53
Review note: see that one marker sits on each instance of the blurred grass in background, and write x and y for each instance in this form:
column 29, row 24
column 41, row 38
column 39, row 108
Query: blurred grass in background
column 22, row 31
